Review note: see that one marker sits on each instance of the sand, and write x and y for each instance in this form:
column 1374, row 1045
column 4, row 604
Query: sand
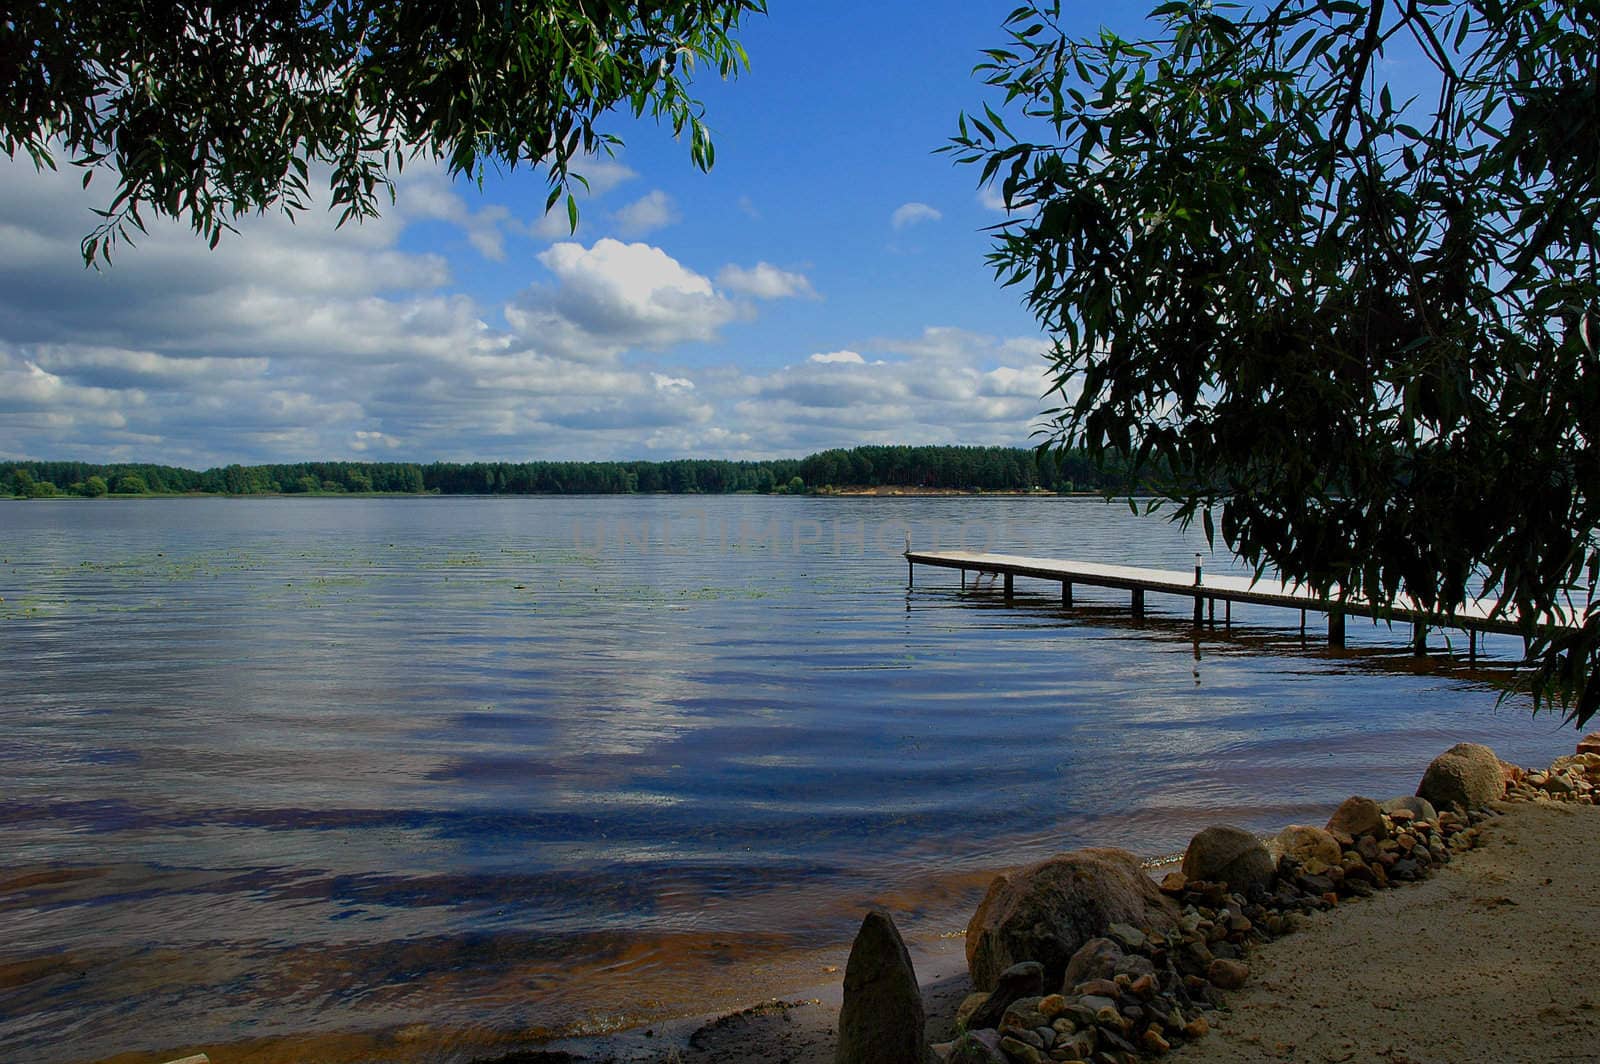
column 1491, row 959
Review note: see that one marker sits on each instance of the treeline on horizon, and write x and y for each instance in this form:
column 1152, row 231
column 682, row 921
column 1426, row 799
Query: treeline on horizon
column 945, row 468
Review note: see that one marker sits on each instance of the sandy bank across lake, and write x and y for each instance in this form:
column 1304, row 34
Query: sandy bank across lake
column 1490, row 959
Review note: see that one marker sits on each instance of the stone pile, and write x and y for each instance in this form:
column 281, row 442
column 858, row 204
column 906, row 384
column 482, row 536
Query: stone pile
column 1136, row 992
column 1083, row 959
column 1568, row 779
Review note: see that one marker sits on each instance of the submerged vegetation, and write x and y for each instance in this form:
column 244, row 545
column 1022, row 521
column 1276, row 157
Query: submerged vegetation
column 926, row 468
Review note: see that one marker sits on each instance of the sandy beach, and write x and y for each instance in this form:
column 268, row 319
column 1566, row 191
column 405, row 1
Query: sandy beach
column 1485, row 960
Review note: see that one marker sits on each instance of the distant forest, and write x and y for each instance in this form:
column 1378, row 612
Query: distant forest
column 941, row 468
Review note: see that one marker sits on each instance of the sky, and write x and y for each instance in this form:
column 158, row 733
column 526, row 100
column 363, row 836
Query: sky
column 823, row 286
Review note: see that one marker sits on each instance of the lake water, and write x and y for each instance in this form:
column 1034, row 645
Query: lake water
column 415, row 778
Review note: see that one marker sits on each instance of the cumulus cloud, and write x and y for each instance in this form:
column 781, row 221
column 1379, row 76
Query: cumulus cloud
column 302, row 341
column 652, row 211
column 765, row 281
column 909, row 214
column 824, row 358
column 614, row 296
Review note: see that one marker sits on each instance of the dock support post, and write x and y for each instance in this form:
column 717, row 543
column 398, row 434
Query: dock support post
column 963, row 579
column 1138, row 602
column 1472, row 646
column 1066, row 592
column 1008, row 588
column 1419, row 639
column 911, row 573
column 1213, row 611
column 1335, row 628
column 1199, row 610
column 1227, row 615
column 1302, row 627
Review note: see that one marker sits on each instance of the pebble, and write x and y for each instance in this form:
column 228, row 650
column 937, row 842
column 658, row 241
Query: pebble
column 1229, row 975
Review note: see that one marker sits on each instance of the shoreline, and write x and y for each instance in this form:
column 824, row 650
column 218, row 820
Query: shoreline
column 1473, row 893
column 1523, row 894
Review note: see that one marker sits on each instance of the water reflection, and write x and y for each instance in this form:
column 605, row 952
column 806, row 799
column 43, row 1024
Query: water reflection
column 465, row 772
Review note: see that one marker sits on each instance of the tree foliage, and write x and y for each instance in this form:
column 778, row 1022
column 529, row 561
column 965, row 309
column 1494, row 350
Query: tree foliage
column 954, row 468
column 207, row 112
column 1355, row 317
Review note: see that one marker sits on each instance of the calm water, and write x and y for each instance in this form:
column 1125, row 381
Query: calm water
column 408, row 778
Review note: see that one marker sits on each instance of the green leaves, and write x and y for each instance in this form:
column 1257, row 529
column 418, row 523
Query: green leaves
column 208, row 115
column 1349, row 326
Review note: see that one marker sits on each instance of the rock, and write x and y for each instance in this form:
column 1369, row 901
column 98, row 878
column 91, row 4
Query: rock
column 1019, row 981
column 1420, row 808
column 977, row 1047
column 1023, row 1034
column 1466, row 776
column 1229, row 855
column 1095, row 959
column 1052, row 1006
column 882, row 1017
column 1079, row 1045
column 1153, row 1041
column 1174, row 883
column 1129, row 938
column 1135, row 966
column 1020, row 1051
column 969, row 1005
column 1047, row 911
column 1307, row 843
column 1558, row 784
column 1024, row 1014
column 1229, row 975
column 1357, row 872
column 1356, row 817
column 1105, row 988
column 1097, row 1003
column 1589, row 744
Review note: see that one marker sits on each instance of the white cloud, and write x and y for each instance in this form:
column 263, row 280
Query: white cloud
column 765, row 281
column 301, row 341
column 614, row 296
column 427, row 194
column 665, row 383
column 602, row 176
column 652, row 211
column 909, row 214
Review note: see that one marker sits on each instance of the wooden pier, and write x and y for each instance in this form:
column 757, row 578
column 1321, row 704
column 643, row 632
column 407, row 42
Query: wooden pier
column 1473, row 616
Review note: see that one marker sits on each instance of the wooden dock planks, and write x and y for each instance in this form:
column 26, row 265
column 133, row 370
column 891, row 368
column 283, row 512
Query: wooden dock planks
column 1472, row 616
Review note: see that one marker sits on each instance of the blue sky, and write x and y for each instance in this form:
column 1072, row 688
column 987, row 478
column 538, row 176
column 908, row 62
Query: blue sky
column 823, row 286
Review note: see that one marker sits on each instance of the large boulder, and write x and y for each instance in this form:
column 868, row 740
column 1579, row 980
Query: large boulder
column 882, row 1018
column 1589, row 744
column 1356, row 817
column 1046, row 911
column 1224, row 854
column 1307, row 844
column 1466, row 776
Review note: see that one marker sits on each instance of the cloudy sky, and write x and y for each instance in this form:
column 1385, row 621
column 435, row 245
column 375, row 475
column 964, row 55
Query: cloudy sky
column 823, row 286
